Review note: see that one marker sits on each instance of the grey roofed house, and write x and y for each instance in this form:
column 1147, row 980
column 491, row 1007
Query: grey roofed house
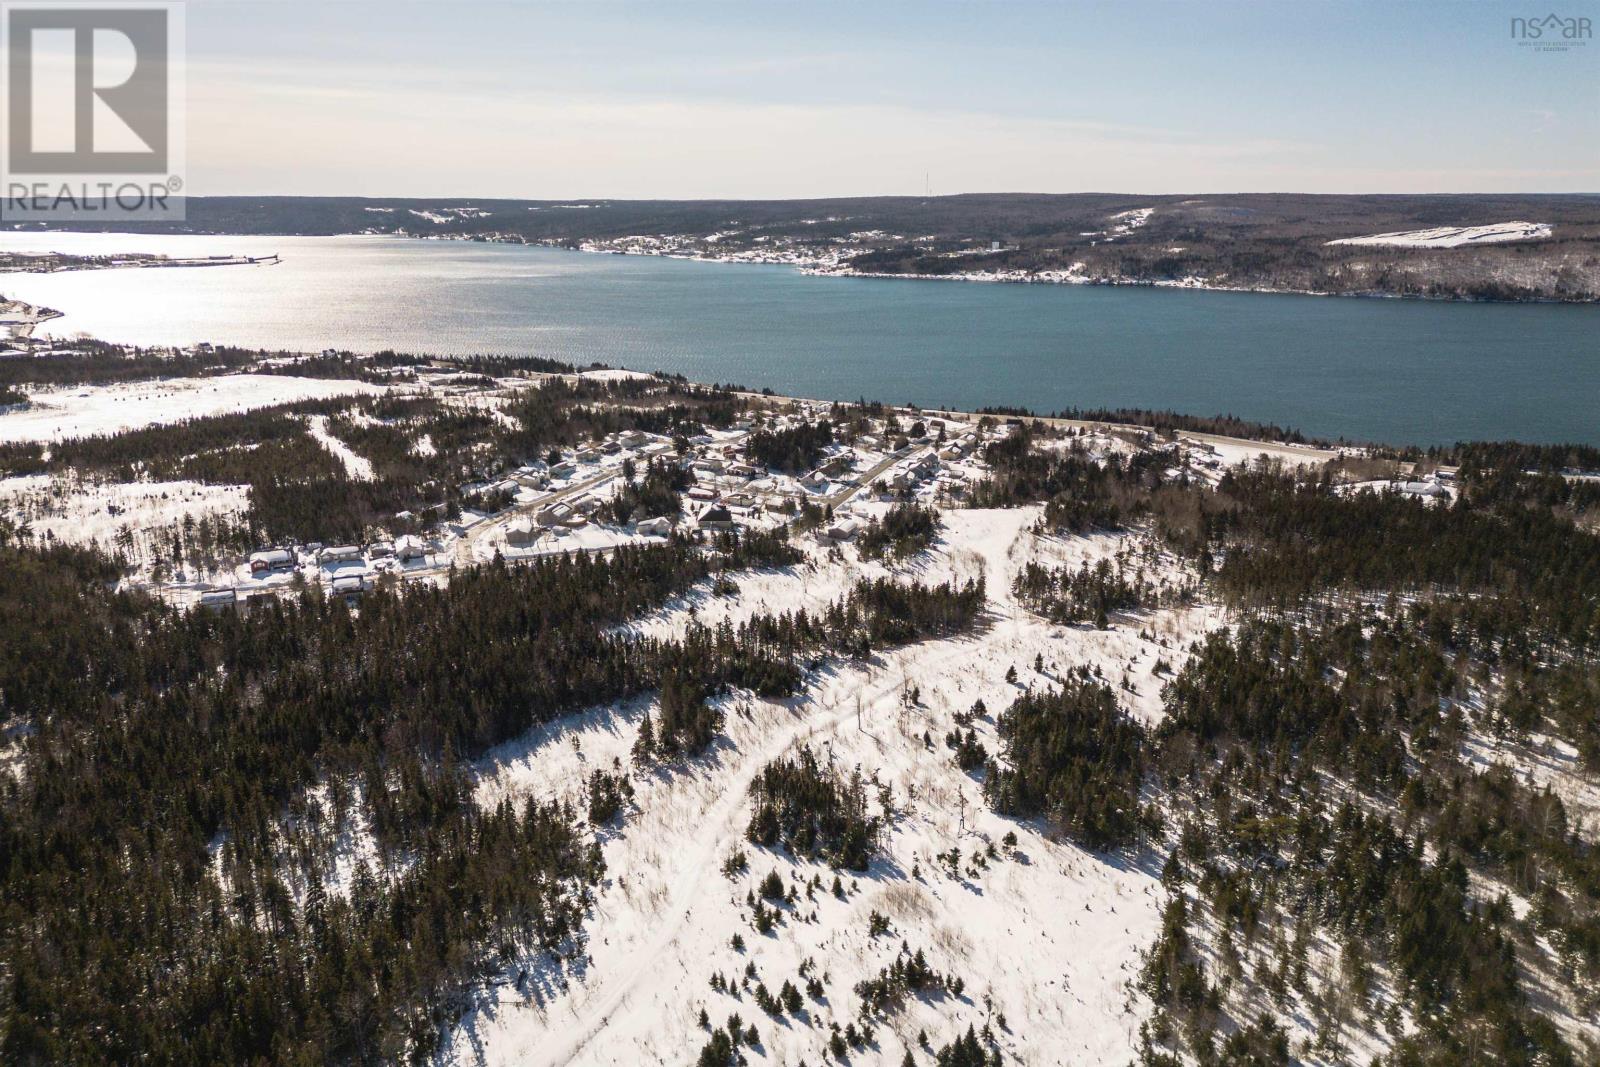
column 716, row 517
column 521, row 534
column 349, row 585
column 551, row 514
column 841, row 530
column 218, row 599
column 339, row 554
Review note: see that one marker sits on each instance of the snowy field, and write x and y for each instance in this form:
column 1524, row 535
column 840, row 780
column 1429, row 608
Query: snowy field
column 1046, row 936
column 112, row 515
column 82, row 411
column 1453, row 236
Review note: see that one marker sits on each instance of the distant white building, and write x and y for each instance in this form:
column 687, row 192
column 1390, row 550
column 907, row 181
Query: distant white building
column 1423, row 489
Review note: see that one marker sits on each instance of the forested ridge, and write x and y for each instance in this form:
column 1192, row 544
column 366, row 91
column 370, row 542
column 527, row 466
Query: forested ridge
column 144, row 838
column 1255, row 240
column 1332, row 845
column 165, row 745
column 299, row 491
column 1330, row 784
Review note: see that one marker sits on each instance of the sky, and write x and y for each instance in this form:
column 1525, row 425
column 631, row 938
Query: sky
column 587, row 98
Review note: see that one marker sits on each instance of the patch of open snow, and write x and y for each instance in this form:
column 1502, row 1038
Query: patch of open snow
column 82, row 411
column 356, row 466
column 614, row 374
column 68, row 509
column 1235, row 452
column 1453, row 236
column 1052, row 935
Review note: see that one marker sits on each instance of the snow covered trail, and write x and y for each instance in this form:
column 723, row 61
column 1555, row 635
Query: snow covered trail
column 720, row 834
column 1049, row 934
column 356, row 466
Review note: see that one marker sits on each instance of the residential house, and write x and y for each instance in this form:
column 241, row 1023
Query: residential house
column 274, row 559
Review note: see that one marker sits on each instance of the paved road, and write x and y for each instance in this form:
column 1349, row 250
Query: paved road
column 866, row 479
column 482, row 529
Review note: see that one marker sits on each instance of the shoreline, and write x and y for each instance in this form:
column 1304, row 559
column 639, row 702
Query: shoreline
column 821, row 267
column 18, row 318
column 815, row 266
column 65, row 263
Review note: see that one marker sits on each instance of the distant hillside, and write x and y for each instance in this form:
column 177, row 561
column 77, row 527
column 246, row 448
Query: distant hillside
column 1246, row 241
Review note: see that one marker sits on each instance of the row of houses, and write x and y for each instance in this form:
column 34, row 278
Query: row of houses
column 405, row 548
column 906, row 477
column 349, row 586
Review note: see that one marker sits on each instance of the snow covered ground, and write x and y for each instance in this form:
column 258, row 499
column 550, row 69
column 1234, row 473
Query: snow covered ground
column 81, row 411
column 613, row 374
column 1047, row 936
column 356, row 466
column 111, row 514
column 1453, row 236
column 1233, row 452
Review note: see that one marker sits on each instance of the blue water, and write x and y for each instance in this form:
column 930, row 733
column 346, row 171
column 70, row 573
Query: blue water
column 1386, row 370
